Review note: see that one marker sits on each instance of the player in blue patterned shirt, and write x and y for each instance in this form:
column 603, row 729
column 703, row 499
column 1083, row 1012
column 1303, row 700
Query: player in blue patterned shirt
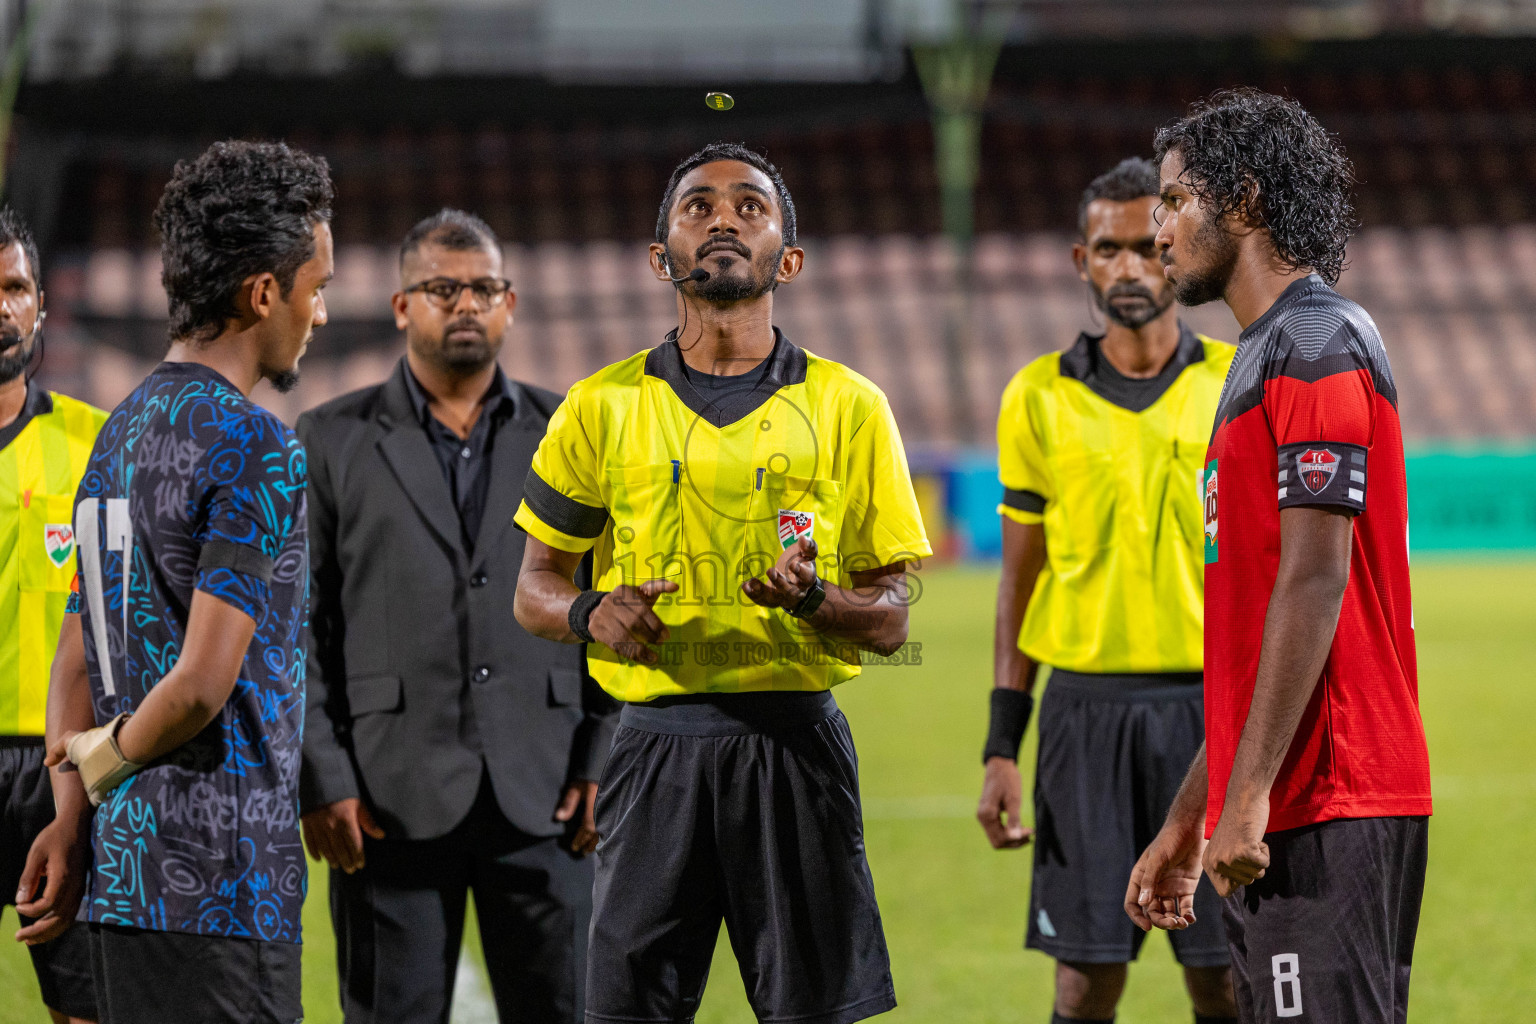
column 192, row 605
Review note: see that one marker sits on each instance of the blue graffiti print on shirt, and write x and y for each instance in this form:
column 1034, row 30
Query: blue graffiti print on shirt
column 193, row 487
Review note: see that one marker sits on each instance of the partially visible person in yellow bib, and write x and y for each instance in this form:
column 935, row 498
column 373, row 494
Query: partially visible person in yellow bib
column 751, row 518
column 45, row 443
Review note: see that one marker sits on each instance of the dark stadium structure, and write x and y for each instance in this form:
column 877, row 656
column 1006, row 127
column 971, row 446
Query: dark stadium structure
column 1442, row 131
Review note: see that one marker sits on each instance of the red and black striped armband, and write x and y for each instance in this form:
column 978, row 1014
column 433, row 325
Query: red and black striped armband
column 1322, row 473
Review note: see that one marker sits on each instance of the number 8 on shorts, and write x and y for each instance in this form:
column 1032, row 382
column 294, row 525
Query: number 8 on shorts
column 1286, row 968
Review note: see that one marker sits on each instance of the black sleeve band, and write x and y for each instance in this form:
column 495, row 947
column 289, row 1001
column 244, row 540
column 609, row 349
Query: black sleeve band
column 1322, row 473
column 567, row 515
column 224, row 554
column 1010, row 717
column 580, row 615
column 1024, row 501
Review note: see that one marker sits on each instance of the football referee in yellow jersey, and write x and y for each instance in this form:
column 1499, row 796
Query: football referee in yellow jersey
column 751, row 517
column 1100, row 449
column 45, row 442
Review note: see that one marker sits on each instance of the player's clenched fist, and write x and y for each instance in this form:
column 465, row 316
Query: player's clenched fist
column 625, row 620
column 1237, row 853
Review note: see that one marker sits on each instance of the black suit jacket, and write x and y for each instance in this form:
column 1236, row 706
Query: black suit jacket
column 418, row 672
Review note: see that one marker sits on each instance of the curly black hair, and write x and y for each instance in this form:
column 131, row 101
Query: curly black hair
column 1131, row 178
column 14, row 231
column 728, row 151
column 1265, row 157
column 241, row 208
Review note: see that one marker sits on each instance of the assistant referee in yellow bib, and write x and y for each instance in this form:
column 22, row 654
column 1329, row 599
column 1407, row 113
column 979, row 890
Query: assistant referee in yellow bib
column 45, row 442
column 1100, row 449
column 752, row 517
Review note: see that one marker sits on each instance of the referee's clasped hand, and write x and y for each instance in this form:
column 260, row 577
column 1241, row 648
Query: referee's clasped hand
column 625, row 620
column 785, row 583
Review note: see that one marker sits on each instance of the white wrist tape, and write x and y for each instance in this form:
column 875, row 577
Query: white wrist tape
column 101, row 762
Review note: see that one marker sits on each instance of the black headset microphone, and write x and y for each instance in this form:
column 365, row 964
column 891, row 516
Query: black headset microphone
column 696, row 274
column 35, row 357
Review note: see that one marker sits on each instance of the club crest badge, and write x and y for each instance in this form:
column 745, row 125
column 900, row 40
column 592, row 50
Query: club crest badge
column 59, row 543
column 1316, row 467
column 1208, row 496
column 795, row 526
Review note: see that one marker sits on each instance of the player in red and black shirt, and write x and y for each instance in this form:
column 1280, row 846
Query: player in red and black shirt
column 1309, row 806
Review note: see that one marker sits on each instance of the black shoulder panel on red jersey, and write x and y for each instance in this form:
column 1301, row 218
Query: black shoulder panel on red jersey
column 1311, row 332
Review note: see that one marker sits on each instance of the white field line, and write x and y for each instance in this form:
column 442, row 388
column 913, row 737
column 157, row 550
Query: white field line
column 472, row 1002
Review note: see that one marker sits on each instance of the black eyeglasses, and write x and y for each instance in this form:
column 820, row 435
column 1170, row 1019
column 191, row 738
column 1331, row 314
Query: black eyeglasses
column 445, row 291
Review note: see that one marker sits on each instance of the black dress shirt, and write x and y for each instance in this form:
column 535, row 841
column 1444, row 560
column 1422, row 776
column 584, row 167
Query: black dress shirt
column 466, row 462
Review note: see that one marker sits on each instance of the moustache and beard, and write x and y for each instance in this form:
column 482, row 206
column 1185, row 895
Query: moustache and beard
column 1146, row 307
column 15, row 352
column 724, row 288
column 1198, row 285
column 470, row 351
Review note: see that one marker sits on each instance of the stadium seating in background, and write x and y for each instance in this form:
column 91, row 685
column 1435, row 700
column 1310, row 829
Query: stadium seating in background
column 1457, row 308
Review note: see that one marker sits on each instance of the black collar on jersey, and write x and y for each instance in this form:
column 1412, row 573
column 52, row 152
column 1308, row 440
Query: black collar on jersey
column 786, row 366
column 1085, row 362
column 37, row 403
column 1292, row 290
column 188, row 368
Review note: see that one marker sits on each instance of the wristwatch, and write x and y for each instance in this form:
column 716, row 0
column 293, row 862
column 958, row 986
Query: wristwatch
column 814, row 595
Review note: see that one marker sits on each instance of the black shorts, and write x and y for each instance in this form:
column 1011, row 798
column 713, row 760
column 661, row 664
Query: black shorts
column 742, row 808
column 1113, row 752
column 151, row 977
column 1327, row 934
column 63, row 966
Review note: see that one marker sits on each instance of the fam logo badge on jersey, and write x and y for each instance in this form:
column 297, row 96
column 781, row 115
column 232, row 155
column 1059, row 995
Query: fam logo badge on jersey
column 1208, row 496
column 59, row 542
column 795, row 526
column 1316, row 466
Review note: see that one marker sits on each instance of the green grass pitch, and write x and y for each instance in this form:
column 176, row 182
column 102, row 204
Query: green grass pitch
column 954, row 909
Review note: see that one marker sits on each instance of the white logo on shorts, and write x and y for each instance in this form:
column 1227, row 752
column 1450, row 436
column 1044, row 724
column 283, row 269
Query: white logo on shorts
column 1044, row 921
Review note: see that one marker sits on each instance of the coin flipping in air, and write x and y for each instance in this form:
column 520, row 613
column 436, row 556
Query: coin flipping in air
column 719, row 101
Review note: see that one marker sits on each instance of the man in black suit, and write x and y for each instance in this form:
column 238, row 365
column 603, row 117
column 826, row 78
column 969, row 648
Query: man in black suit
column 445, row 748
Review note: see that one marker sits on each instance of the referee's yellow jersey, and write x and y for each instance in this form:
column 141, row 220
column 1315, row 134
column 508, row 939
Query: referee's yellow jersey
column 1116, row 483
column 40, row 468
column 649, row 472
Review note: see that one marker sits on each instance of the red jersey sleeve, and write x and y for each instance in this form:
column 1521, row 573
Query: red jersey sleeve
column 1323, row 415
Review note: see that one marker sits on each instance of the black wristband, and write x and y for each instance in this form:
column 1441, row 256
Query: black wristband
column 580, row 615
column 1010, row 717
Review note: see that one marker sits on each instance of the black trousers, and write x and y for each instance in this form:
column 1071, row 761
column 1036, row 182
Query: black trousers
column 399, row 922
